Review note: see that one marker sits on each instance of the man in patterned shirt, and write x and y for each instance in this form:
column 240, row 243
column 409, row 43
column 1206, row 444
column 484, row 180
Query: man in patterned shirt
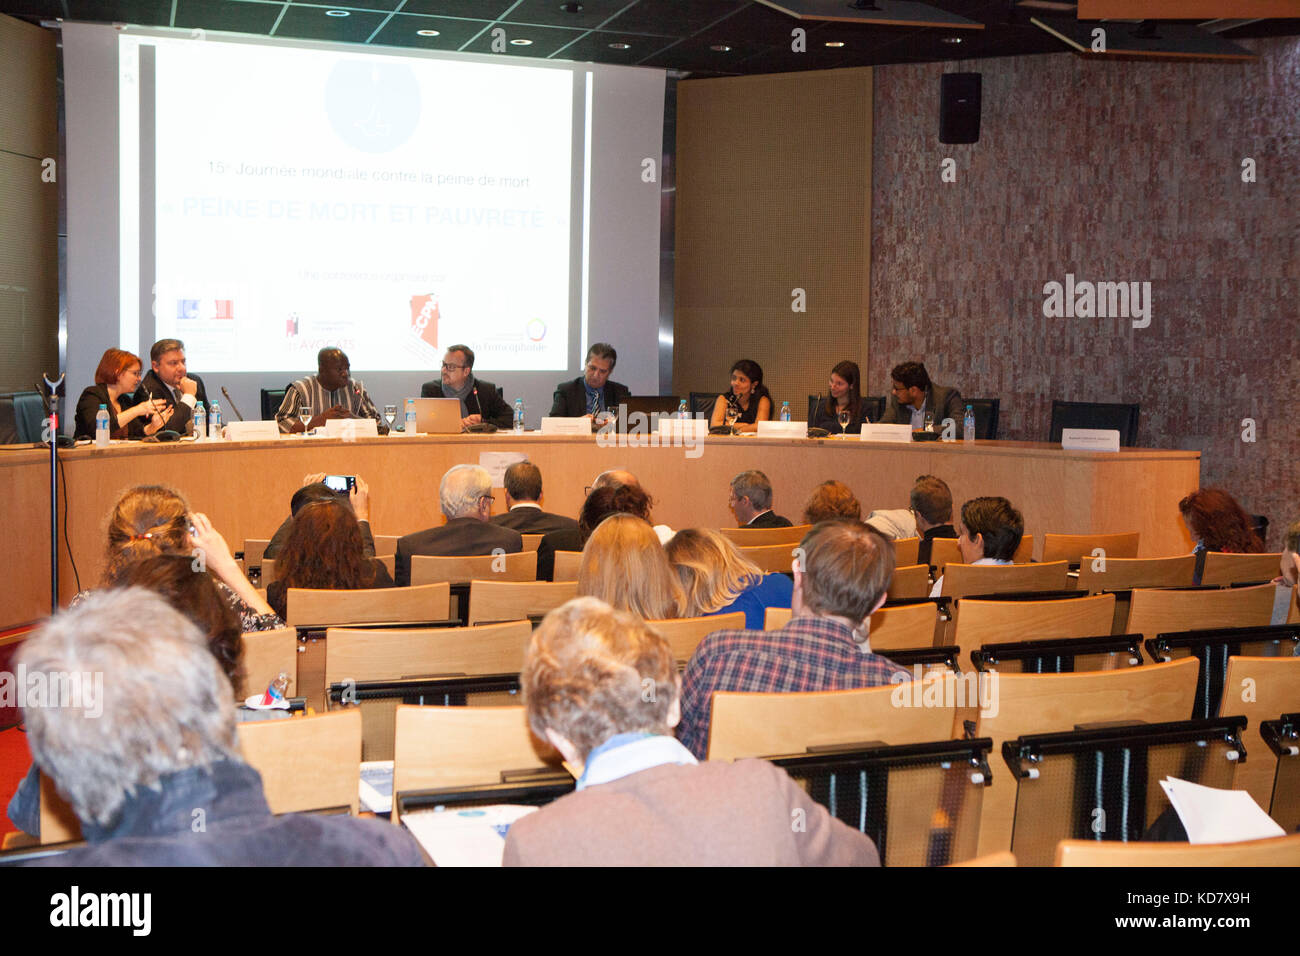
column 845, row 570
column 330, row 393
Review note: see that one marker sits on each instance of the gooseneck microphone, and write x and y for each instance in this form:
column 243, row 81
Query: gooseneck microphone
column 233, row 407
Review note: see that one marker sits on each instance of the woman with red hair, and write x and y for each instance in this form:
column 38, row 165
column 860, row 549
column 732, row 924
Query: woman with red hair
column 130, row 413
column 1217, row 523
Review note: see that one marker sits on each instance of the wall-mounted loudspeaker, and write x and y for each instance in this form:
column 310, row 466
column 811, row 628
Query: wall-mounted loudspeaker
column 959, row 108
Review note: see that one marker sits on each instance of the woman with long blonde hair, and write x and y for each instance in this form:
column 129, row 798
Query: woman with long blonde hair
column 717, row 579
column 624, row 565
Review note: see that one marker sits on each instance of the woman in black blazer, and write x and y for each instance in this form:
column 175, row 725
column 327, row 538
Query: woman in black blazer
column 845, row 395
column 130, row 413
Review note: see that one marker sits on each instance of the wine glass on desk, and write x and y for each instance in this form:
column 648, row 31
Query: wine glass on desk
column 843, row 416
column 304, row 413
column 732, row 416
column 390, row 414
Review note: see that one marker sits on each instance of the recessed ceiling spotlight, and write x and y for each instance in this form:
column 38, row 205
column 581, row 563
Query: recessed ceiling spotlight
column 949, row 39
column 428, row 33
column 571, row 7
column 620, row 46
column 720, row 48
column 521, row 42
column 835, row 44
column 336, row 13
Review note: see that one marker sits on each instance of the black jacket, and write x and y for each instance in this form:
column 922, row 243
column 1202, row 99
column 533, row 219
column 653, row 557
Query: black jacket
column 570, row 399
column 566, row 539
column 927, row 541
column 533, row 521
column 941, row 401
column 154, row 387
column 484, row 401
column 459, row 536
column 769, row 519
column 88, row 407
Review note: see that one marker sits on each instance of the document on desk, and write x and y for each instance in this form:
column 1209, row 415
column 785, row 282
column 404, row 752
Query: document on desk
column 469, row 836
column 1210, row 815
column 377, row 786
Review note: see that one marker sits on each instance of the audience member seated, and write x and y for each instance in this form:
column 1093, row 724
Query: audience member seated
column 329, row 394
column 845, row 399
column 149, row 520
column 825, row 646
column 915, row 396
column 465, row 495
column 157, row 779
column 748, row 401
column 932, row 508
column 314, row 489
column 751, row 502
column 612, row 492
column 624, row 565
column 523, row 499
column 716, row 579
column 1217, row 523
column 990, row 533
column 324, row 551
column 1290, row 572
column 642, row 799
column 831, row 501
column 130, row 415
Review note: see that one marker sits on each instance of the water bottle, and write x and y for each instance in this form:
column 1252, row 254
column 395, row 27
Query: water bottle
column 785, row 411
column 410, row 416
column 519, row 416
column 200, row 422
column 214, row 422
column 682, row 412
column 968, row 425
column 101, row 427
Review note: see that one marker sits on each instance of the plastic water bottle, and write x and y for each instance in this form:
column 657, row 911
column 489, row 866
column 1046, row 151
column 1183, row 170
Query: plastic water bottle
column 410, row 416
column 682, row 412
column 968, row 425
column 200, row 422
column 101, row 427
column 519, row 416
column 785, row 411
column 214, row 422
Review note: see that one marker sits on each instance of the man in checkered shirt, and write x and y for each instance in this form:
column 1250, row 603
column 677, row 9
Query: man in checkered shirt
column 846, row 567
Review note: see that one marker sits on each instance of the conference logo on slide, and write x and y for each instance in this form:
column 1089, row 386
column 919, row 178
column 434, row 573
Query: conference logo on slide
column 535, row 330
column 373, row 107
column 425, row 318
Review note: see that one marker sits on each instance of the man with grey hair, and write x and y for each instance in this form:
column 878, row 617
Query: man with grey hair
column 153, row 769
column 751, row 501
column 466, row 498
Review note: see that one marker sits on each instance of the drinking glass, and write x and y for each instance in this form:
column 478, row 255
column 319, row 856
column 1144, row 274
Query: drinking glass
column 844, row 421
column 390, row 413
column 929, row 421
column 304, row 413
column 733, row 413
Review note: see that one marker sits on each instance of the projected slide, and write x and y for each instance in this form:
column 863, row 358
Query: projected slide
column 388, row 205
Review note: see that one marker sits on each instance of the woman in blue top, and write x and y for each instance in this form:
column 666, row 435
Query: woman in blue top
column 717, row 579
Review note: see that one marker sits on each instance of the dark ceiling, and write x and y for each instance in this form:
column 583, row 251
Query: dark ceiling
column 695, row 37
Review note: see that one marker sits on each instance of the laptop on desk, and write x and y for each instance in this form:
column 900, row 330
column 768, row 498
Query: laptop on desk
column 437, row 416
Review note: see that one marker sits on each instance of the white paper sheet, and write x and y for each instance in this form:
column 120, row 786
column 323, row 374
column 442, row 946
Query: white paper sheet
column 496, row 463
column 1210, row 815
column 465, row 837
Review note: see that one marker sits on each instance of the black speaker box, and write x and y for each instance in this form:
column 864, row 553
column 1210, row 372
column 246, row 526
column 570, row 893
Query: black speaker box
column 959, row 108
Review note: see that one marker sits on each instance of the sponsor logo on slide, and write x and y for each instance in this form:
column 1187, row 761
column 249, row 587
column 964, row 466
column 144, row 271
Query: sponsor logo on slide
column 373, row 107
column 536, row 330
column 225, row 309
column 291, row 325
column 424, row 318
column 187, row 308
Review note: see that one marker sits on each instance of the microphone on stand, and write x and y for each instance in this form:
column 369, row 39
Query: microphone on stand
column 477, row 402
column 233, row 407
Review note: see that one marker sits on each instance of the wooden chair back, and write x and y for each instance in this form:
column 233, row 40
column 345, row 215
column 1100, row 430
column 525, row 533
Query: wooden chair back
column 265, row 654
column 906, row 551
column 268, row 571
column 310, row 607
column 768, row 725
column 566, row 565
column 758, row 537
column 684, row 634
column 1260, row 688
column 385, row 544
column 1223, row 568
column 365, row 655
column 962, row 579
column 532, row 541
column 1118, row 574
column 775, row 618
column 58, row 823
column 945, row 551
column 903, row 627
column 515, row 600
column 254, row 548
column 306, row 763
column 1155, row 612
column 461, row 746
column 910, row 581
column 430, row 569
column 1005, row 622
column 771, row 557
column 1277, row 851
column 1041, row 703
column 1076, row 548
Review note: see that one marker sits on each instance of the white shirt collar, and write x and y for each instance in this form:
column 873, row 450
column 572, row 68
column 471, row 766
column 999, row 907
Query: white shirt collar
column 525, row 504
column 626, row 759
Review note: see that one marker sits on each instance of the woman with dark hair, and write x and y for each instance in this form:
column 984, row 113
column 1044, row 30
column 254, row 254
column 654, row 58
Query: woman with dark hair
column 747, row 403
column 1217, row 523
column 324, row 550
column 845, row 399
column 609, row 500
column 131, row 414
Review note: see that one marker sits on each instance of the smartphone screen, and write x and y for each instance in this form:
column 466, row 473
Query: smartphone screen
column 343, row 484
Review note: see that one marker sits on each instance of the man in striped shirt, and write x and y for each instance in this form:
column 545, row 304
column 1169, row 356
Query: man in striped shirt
column 841, row 571
column 330, row 393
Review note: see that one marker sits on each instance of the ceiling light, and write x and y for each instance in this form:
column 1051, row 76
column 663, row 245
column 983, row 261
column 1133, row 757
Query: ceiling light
column 336, row 13
column 571, row 7
column 428, row 33
column 521, row 42
column 949, row 39
column 835, row 44
column 720, row 48
column 620, row 46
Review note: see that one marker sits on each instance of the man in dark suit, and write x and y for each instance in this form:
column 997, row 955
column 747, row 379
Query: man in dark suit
column 167, row 379
column 523, row 494
column 915, row 396
column 592, row 393
column 466, row 498
column 751, row 501
column 479, row 400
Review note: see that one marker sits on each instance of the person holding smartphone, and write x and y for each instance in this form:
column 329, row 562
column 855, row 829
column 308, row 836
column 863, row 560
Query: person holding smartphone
column 316, row 488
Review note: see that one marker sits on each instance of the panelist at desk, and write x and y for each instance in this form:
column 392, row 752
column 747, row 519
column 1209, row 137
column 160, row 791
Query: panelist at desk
column 330, row 393
column 168, row 381
column 479, row 400
column 592, row 392
column 915, row 396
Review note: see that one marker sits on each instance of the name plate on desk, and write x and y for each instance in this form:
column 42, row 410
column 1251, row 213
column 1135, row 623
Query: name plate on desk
column 899, row 433
column 697, row 428
column 566, row 426
column 251, row 431
column 348, row 428
column 782, row 429
column 1090, row 439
